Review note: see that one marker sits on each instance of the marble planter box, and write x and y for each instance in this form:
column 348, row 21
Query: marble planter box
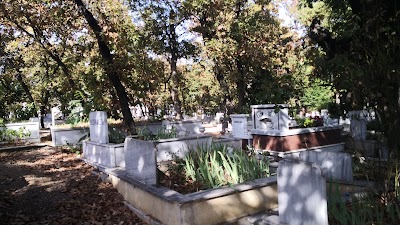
column 108, row 155
column 64, row 136
column 296, row 139
column 159, row 205
column 114, row 155
column 32, row 127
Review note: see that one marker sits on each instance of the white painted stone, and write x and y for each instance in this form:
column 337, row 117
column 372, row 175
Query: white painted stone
column 301, row 194
column 55, row 113
column 240, row 126
column 98, row 127
column 108, row 155
column 168, row 149
column 324, row 113
column 262, row 114
column 336, row 165
column 32, row 127
column 140, row 160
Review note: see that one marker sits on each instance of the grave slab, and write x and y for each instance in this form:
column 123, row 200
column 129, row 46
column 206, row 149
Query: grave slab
column 336, row 165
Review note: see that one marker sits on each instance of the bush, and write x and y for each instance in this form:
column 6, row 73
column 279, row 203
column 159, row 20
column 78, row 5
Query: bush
column 7, row 135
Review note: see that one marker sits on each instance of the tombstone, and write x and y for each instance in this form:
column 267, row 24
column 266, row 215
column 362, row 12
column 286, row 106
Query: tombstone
column 358, row 129
column 240, row 126
column 140, row 160
column 265, row 117
column 98, row 127
column 55, row 113
column 336, row 165
column 218, row 117
column 301, row 193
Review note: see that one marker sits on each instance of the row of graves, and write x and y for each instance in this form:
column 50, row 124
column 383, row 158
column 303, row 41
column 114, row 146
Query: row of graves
column 313, row 161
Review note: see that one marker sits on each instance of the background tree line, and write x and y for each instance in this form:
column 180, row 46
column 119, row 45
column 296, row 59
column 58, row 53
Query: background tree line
column 207, row 55
column 194, row 55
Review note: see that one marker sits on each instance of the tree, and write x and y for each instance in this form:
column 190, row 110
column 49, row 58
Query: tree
column 165, row 22
column 254, row 59
column 360, row 46
column 109, row 65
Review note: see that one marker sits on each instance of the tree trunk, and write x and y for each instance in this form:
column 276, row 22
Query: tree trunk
column 111, row 72
column 174, row 73
column 27, row 91
column 240, row 85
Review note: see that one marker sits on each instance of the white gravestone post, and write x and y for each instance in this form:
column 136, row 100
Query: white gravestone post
column 301, row 194
column 98, row 127
column 55, row 113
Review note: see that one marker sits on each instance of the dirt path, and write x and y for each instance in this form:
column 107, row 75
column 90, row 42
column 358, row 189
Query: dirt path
column 46, row 186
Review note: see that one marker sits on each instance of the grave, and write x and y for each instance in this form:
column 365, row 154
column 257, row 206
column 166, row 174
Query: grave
column 270, row 117
column 271, row 132
column 98, row 149
column 301, row 194
column 67, row 136
column 32, row 127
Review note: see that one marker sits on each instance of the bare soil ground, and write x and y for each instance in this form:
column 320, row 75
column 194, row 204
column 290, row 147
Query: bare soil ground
column 48, row 186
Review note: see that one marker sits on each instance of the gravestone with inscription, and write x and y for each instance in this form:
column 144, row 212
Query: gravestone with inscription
column 241, row 126
column 98, row 127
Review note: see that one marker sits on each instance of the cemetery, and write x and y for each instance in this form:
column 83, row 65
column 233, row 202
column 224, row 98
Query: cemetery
column 261, row 167
column 200, row 112
column 134, row 168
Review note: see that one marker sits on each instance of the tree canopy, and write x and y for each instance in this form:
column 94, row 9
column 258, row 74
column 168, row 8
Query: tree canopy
column 206, row 56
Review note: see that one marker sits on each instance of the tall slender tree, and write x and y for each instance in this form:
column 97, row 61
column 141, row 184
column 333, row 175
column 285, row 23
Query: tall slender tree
column 109, row 65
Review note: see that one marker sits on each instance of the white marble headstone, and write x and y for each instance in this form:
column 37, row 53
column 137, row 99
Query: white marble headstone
column 140, row 160
column 98, row 127
column 301, row 194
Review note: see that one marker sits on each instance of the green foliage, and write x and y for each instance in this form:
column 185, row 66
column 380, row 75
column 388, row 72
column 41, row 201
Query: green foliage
column 309, row 122
column 76, row 114
column 359, row 54
column 21, row 112
column 73, row 148
column 116, row 135
column 364, row 209
column 9, row 135
column 316, row 97
column 216, row 166
column 162, row 133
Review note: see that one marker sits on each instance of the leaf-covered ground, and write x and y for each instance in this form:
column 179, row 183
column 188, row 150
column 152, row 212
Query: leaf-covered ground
column 48, row 186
